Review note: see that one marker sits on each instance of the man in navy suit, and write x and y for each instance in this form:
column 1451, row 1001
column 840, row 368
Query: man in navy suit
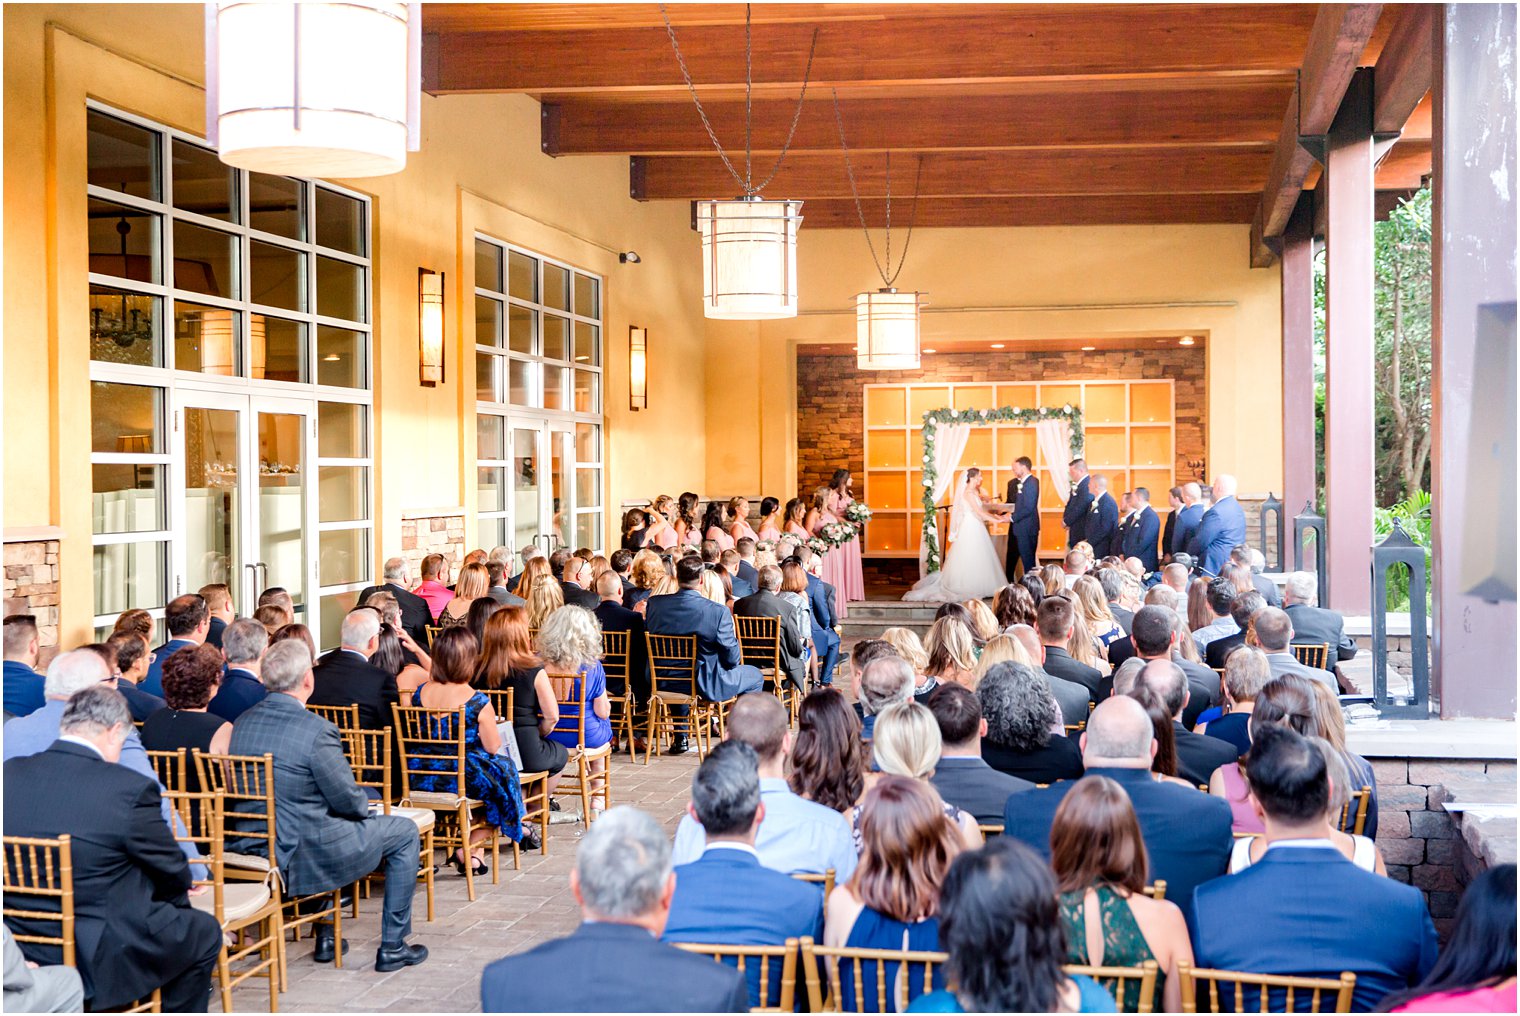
column 188, row 621
column 613, row 616
column 727, row 896
column 1074, row 518
column 1222, row 528
column 1024, row 527
column 23, row 685
column 1102, row 519
column 624, row 884
column 1303, row 909
column 1188, row 514
column 825, row 617
column 1142, row 538
column 729, row 562
column 243, row 646
column 1187, row 834
column 747, row 570
column 721, row 672
column 416, row 615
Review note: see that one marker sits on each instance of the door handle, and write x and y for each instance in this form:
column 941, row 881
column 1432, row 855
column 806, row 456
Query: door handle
column 264, row 583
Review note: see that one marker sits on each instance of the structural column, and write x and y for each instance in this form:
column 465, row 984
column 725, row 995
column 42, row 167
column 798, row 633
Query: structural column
column 1349, row 479
column 1474, row 241
column 1297, row 365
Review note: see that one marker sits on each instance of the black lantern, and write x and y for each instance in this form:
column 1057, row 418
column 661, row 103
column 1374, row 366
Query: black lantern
column 1304, row 522
column 1272, row 539
column 1397, row 548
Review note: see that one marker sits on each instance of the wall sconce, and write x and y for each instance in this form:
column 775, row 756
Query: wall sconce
column 430, row 326
column 638, row 368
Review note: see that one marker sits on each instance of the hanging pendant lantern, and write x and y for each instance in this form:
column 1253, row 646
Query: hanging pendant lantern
column 887, row 330
column 749, row 258
column 314, row 89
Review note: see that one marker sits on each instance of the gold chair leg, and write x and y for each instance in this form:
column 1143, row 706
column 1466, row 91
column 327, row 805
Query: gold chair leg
column 427, row 869
column 464, row 848
column 338, row 927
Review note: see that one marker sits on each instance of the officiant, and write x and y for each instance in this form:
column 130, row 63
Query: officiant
column 1024, row 529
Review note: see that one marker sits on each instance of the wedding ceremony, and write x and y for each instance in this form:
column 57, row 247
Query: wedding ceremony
column 774, row 507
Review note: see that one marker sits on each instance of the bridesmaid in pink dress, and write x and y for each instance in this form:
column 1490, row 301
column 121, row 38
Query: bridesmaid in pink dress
column 661, row 532
column 688, row 526
column 854, row 574
column 770, row 520
column 796, row 515
column 834, row 566
column 738, row 511
column 712, row 527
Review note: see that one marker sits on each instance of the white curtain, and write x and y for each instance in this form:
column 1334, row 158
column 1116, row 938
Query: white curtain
column 1054, row 439
column 949, row 442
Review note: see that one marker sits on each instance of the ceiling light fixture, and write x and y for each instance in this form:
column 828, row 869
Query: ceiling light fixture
column 628, row 257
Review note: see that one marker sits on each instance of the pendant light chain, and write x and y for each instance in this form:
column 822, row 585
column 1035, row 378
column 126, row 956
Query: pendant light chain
column 745, row 182
column 888, row 280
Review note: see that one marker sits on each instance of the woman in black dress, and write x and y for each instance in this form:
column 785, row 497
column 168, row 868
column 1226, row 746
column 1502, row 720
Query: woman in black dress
column 507, row 660
column 191, row 679
column 1024, row 732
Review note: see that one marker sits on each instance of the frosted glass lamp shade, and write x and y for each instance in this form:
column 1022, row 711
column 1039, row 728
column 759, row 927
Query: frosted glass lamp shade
column 749, row 258
column 886, row 330
column 313, row 89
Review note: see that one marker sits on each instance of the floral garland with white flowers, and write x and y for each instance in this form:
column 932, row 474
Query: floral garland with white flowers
column 934, row 417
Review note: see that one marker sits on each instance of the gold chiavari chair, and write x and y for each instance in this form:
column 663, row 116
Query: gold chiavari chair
column 1075, row 728
column 342, row 717
column 777, row 970
column 879, row 963
column 990, row 829
column 673, row 663
column 1312, row 654
column 1117, row 981
column 1357, row 819
column 570, row 694
column 826, row 879
column 616, row 662
column 369, row 756
column 1156, row 890
column 760, row 647
column 170, row 768
column 535, row 801
column 432, row 631
column 1192, row 978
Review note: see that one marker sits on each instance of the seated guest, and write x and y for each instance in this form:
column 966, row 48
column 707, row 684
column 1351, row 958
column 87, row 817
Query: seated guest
column 962, row 777
column 191, row 679
column 727, row 896
column 1056, row 622
column 1198, row 755
column 188, row 621
column 278, row 596
column 480, row 612
column 416, row 615
column 345, row 677
column 243, row 646
column 747, row 569
column 1175, row 577
column 1476, row 968
column 328, row 837
column 1315, row 625
column 1156, row 635
column 828, row 763
column 767, row 602
column 1072, row 698
column 1245, row 674
column 1242, row 608
column 544, row 594
column 647, row 571
column 274, row 617
column 571, row 643
column 1187, row 834
column 884, row 681
column 729, row 562
column 1255, row 563
column 433, row 588
column 1002, row 649
column 864, row 651
column 496, row 575
column 613, row 616
column 489, row 775
column 624, row 885
column 133, row 924
column 908, row 743
column 536, row 569
column 1216, row 622
column 474, row 582
column 576, row 584
column 905, row 642
column 1164, row 762
column 983, row 623
column 23, row 685
column 1271, row 633
column 1112, row 582
column 892, row 899
column 1099, row 860
column 1013, row 605
column 1089, row 600
column 1286, row 700
column 951, row 652
column 1312, row 912
column 1021, row 717
column 219, row 605
column 793, row 591
column 1330, row 723
column 391, row 657
column 298, row 633
column 999, row 923
column 130, row 659
column 507, row 660
column 30, row 987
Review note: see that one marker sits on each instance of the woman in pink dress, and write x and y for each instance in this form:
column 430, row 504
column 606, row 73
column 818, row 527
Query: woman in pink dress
column 712, row 527
column 688, row 526
column 854, row 575
column 662, row 530
column 834, row 565
column 796, row 518
column 738, row 528
column 770, row 520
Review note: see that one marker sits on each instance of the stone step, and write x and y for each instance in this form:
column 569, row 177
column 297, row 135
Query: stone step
column 869, row 618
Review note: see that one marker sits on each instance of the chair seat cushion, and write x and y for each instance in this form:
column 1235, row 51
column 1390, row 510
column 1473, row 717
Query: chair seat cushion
column 251, row 862
column 678, row 697
column 240, row 901
column 429, row 799
column 424, row 817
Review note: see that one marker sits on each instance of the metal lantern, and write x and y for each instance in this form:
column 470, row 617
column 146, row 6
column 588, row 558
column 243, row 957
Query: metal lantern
column 886, row 330
column 1397, row 548
column 1272, row 539
column 1304, row 522
column 314, row 89
column 749, row 258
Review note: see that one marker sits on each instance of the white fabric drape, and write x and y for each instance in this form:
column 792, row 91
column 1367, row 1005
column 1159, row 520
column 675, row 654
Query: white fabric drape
column 949, row 441
column 1054, row 439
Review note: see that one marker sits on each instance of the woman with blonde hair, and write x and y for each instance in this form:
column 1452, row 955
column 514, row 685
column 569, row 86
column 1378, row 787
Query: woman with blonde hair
column 1054, row 579
column 570, row 643
column 738, row 526
column 984, row 624
column 1083, row 648
column 535, row 570
column 1088, row 598
column 712, row 588
column 907, row 742
column 659, row 528
column 474, row 582
column 1002, row 649
column 544, row 598
column 952, row 651
column 663, row 586
column 906, row 642
column 646, row 570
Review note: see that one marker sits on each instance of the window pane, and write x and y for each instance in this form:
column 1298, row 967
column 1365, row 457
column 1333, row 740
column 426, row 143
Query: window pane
column 123, row 241
column 124, row 418
column 127, row 498
column 344, row 556
column 487, row 386
column 341, row 357
column 521, row 375
column 275, row 276
column 487, row 321
column 343, row 494
column 488, row 437
column 129, row 575
column 279, row 349
column 493, row 532
column 205, row 261
column 340, row 431
column 588, row 392
column 522, row 272
column 588, row 442
column 491, row 483
column 206, row 339
column 334, row 608
column 340, row 222
column 487, row 266
column 588, row 488
column 586, row 302
column 588, row 530
column 556, row 287
column 123, row 157
column 556, row 337
column 340, row 290
column 203, row 184
column 521, row 326
column 274, row 205
column 588, row 344
column 554, row 387
column 124, row 327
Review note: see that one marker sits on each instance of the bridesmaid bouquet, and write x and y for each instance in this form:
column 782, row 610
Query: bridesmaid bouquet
column 765, row 545
column 837, row 534
column 819, row 545
column 858, row 513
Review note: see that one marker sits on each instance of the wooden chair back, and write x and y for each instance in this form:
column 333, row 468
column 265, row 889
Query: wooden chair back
column 1287, row 998
column 203, row 814
column 169, row 767
column 501, row 703
column 246, row 783
column 1117, row 979
column 843, row 961
column 369, row 756
column 673, row 662
column 342, row 717
column 570, row 695
column 1354, row 812
column 826, row 879
column 760, row 642
column 777, row 970
column 615, row 650
column 39, row 872
column 432, row 631
column 990, row 829
column 1156, row 890
column 1312, row 654
column 436, row 735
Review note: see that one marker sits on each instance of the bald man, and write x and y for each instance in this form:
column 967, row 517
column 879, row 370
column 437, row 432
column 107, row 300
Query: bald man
column 1223, row 527
column 1186, row 833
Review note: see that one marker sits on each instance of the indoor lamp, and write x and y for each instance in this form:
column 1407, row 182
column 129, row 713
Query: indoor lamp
column 749, row 258
column 886, row 330
column 430, row 326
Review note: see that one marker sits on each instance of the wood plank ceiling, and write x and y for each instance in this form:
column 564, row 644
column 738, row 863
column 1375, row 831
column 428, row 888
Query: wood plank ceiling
column 1034, row 114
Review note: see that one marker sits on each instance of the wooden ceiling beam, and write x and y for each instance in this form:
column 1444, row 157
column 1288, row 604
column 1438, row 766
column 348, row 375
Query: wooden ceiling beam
column 1402, row 77
column 1210, row 116
column 965, row 174
column 1060, row 210
column 1340, row 34
column 1405, row 166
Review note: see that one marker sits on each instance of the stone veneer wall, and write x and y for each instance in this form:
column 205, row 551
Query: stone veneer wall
column 424, row 534
column 831, row 406
column 31, row 587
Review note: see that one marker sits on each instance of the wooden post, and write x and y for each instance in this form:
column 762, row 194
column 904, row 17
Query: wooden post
column 1298, row 361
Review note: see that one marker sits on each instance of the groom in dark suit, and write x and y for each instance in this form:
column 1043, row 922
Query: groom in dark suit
column 1024, row 529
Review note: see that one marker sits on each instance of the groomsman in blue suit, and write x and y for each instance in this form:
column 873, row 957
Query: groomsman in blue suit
column 1024, row 527
column 1074, row 518
column 1144, row 531
column 1222, row 529
column 727, row 896
column 1102, row 519
column 1188, row 515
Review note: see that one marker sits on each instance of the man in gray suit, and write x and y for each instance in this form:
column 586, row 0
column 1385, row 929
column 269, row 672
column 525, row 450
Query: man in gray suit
column 39, row 989
column 326, row 837
column 1274, row 632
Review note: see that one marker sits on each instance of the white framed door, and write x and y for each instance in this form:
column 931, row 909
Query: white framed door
column 547, row 487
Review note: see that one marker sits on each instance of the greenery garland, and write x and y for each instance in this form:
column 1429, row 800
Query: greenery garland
column 932, row 420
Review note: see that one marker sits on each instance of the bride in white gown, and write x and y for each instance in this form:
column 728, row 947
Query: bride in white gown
column 971, row 569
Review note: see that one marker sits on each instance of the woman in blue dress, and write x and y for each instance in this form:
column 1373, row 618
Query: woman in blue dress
column 489, row 778
column 570, row 642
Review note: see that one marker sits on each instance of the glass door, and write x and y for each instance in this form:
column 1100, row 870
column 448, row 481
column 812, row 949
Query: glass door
column 282, row 523
column 556, row 494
